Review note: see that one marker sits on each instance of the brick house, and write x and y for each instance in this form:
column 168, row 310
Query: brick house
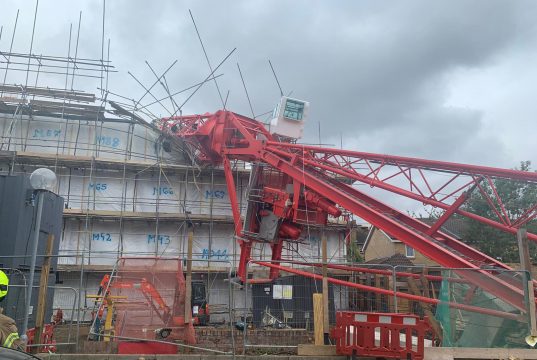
column 380, row 245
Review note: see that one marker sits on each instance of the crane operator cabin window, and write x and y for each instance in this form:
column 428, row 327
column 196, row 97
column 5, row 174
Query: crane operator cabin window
column 294, row 110
column 289, row 117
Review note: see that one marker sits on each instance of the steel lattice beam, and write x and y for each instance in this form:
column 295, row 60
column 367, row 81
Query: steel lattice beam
column 225, row 136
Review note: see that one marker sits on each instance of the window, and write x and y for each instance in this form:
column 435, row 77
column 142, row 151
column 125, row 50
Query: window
column 409, row 252
column 294, row 110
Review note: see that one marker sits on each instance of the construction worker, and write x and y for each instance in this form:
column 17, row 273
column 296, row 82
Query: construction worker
column 9, row 336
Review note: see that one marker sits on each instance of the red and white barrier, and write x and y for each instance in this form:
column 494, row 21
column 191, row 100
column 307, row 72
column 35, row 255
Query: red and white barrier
column 399, row 336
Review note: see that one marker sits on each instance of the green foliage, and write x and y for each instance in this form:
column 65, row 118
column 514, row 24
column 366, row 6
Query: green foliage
column 517, row 197
column 353, row 253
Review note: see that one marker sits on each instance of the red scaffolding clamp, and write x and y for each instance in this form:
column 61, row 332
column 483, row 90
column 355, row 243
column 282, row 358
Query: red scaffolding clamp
column 399, row 336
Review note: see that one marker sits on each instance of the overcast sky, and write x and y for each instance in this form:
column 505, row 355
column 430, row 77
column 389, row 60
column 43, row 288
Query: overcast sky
column 448, row 80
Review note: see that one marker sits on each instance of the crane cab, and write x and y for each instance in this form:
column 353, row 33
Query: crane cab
column 288, row 117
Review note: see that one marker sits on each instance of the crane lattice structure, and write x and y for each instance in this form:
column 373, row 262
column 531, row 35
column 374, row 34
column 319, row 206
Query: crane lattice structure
column 302, row 185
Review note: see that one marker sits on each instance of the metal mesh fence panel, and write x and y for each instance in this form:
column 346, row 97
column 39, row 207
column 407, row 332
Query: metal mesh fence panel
column 465, row 314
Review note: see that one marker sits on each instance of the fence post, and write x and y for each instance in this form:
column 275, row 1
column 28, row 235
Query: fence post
column 318, row 319
column 525, row 265
column 395, row 289
column 231, row 301
column 245, row 331
column 326, row 319
column 42, row 296
column 188, row 290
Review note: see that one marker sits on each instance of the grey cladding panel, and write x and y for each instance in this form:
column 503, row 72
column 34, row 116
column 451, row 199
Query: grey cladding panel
column 17, row 216
column 17, row 222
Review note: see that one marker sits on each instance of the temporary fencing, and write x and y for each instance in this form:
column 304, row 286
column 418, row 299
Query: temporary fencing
column 380, row 335
column 280, row 314
column 465, row 314
column 48, row 341
column 74, row 294
column 276, row 315
column 143, row 304
column 455, row 307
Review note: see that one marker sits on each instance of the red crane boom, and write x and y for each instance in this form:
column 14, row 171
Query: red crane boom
column 297, row 185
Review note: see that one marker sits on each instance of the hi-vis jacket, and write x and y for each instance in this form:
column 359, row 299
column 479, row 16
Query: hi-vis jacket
column 9, row 337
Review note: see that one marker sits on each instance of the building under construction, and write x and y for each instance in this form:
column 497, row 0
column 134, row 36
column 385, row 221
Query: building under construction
column 127, row 192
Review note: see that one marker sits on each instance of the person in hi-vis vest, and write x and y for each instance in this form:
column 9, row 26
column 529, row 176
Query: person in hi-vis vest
column 9, row 336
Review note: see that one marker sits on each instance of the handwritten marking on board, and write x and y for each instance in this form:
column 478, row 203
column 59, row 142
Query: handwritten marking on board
column 98, row 186
column 107, row 141
column 162, row 190
column 46, row 133
column 102, row 237
column 162, row 239
column 214, row 194
column 220, row 254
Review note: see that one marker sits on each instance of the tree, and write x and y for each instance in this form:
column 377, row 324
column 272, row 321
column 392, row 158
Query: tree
column 516, row 197
column 353, row 253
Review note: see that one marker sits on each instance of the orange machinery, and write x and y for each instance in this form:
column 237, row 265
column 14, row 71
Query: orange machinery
column 150, row 317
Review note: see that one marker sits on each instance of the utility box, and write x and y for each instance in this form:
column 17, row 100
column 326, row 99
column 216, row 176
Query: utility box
column 18, row 212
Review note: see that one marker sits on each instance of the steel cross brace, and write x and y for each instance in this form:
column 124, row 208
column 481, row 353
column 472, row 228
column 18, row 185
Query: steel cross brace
column 343, row 195
column 344, row 172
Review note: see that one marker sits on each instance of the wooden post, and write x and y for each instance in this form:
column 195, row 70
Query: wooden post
column 525, row 264
column 378, row 297
column 362, row 279
column 318, row 319
column 188, row 288
column 427, row 308
column 326, row 319
column 523, row 250
column 389, row 286
column 42, row 296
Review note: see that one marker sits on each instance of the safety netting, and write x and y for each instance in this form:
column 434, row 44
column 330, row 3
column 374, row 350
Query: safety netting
column 484, row 320
column 149, row 300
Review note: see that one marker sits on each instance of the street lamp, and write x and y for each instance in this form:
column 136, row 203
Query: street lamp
column 42, row 180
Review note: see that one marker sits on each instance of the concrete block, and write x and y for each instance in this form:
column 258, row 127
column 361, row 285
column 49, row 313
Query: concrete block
column 316, row 350
column 479, row 353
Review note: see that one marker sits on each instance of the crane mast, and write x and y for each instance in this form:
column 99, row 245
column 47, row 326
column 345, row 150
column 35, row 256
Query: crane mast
column 294, row 185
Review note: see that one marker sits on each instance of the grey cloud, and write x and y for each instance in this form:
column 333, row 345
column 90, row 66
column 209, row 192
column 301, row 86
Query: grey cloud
column 375, row 71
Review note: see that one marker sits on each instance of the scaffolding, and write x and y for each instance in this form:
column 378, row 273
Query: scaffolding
column 128, row 189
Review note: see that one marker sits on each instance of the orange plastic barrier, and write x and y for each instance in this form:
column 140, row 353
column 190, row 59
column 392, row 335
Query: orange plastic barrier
column 47, row 339
column 398, row 336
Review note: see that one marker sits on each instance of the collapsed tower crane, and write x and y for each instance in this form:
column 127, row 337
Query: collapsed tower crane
column 293, row 185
